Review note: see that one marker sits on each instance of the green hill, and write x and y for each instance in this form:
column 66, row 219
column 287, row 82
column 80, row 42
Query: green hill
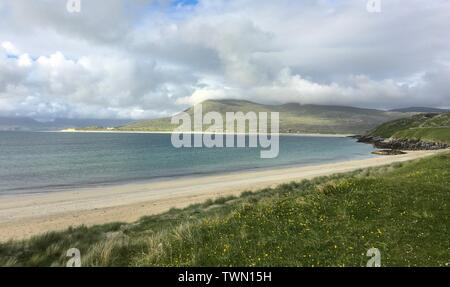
column 294, row 118
column 420, row 110
column 388, row 129
column 422, row 127
column 438, row 135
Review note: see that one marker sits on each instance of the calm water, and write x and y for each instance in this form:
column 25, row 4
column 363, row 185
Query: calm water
column 32, row 162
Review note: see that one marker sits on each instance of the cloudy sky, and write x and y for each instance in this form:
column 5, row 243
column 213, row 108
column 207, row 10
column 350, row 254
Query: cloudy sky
column 143, row 59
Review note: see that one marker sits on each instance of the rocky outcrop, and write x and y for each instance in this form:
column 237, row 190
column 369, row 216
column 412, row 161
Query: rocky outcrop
column 401, row 144
column 368, row 139
column 409, row 144
column 388, row 152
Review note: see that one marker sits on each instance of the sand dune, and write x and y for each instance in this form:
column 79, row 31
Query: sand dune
column 25, row 215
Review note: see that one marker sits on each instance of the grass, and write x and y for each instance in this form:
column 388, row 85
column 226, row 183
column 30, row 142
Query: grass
column 401, row 209
column 439, row 134
column 388, row 129
column 423, row 127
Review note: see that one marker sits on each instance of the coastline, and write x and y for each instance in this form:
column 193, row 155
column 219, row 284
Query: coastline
column 194, row 132
column 25, row 215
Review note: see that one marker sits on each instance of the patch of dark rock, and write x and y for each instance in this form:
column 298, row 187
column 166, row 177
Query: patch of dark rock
column 400, row 144
column 409, row 144
column 388, row 152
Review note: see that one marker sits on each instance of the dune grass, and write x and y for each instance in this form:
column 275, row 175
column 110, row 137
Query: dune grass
column 401, row 209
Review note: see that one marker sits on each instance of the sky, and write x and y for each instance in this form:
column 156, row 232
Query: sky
column 151, row 58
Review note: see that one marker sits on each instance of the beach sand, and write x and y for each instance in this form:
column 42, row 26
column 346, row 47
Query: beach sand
column 25, row 215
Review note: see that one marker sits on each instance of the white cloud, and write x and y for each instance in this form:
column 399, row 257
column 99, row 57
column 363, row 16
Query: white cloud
column 117, row 61
column 202, row 94
column 9, row 48
column 98, row 86
column 24, row 60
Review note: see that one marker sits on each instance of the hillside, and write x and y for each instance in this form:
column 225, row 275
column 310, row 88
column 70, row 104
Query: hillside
column 420, row 110
column 388, row 129
column 29, row 124
column 422, row 127
column 294, row 118
column 328, row 221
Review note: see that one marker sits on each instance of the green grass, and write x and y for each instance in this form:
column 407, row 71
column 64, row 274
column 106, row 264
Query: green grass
column 439, row 134
column 441, row 120
column 423, row 127
column 401, row 209
column 388, row 129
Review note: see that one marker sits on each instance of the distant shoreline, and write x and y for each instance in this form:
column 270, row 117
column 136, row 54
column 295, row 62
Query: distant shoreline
column 194, row 132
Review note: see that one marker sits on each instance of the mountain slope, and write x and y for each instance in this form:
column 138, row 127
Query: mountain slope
column 388, row 129
column 427, row 128
column 420, row 110
column 294, row 118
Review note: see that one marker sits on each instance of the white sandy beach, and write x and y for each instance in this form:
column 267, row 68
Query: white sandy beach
column 25, row 215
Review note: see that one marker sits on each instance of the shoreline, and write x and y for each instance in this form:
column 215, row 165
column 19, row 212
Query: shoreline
column 25, row 215
column 150, row 180
column 194, row 132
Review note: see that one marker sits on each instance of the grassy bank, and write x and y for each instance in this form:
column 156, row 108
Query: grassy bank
column 438, row 135
column 423, row 127
column 402, row 209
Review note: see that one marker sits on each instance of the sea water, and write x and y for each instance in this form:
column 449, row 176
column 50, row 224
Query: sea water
column 51, row 161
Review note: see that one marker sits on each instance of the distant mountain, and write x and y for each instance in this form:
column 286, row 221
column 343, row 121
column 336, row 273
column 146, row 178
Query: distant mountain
column 419, row 110
column 294, row 118
column 29, row 124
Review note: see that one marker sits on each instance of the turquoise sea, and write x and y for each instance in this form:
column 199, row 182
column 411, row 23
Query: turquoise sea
column 46, row 161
